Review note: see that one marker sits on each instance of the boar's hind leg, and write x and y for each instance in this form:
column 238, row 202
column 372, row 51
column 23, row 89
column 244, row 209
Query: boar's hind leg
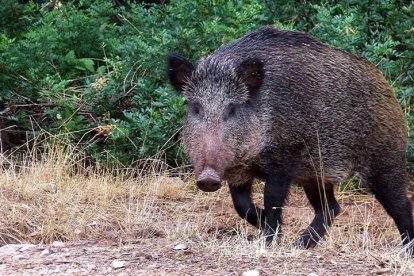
column 389, row 188
column 244, row 205
column 326, row 208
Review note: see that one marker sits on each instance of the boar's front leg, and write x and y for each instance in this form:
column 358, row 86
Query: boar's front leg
column 242, row 200
column 275, row 193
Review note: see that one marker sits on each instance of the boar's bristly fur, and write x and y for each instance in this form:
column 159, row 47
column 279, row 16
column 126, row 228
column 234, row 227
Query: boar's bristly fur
column 283, row 107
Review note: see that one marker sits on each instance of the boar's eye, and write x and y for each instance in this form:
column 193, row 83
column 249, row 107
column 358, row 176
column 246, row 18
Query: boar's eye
column 195, row 108
column 230, row 111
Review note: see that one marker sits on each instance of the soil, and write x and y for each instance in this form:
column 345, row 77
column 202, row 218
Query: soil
column 157, row 257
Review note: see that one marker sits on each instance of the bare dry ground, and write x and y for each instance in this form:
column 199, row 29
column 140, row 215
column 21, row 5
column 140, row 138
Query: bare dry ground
column 130, row 226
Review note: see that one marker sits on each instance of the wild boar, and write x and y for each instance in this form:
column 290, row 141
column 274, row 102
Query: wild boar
column 285, row 108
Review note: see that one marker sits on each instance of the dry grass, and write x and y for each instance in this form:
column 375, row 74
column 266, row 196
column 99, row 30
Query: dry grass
column 55, row 198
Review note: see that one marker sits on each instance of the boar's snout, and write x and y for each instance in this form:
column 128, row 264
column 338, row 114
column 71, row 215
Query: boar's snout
column 209, row 180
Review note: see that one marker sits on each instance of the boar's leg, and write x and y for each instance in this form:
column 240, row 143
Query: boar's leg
column 275, row 193
column 389, row 188
column 322, row 198
column 244, row 205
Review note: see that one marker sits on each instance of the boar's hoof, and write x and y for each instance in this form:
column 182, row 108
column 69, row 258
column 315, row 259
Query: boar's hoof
column 306, row 241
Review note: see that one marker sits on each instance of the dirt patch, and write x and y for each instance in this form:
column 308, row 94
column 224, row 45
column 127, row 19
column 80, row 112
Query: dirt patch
column 157, row 257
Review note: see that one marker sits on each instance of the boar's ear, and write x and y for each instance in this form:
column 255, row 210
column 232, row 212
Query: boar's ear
column 251, row 73
column 179, row 71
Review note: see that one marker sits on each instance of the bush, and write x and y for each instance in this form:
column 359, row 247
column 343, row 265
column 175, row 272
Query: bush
column 96, row 69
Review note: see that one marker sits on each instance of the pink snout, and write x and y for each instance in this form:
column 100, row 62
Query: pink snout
column 208, row 180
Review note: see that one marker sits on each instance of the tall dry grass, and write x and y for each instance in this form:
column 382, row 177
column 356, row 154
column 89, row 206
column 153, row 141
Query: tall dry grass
column 51, row 195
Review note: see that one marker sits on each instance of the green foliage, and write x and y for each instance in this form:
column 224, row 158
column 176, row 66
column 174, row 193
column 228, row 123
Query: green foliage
column 97, row 70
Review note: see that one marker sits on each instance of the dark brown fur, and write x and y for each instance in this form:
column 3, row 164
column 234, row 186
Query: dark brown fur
column 283, row 107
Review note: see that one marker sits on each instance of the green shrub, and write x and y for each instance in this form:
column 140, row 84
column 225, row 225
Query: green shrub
column 85, row 66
